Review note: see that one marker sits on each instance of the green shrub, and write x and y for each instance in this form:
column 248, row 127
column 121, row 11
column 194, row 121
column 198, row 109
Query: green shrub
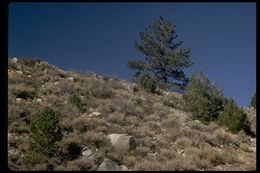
column 45, row 132
column 75, row 99
column 145, row 81
column 234, row 118
column 203, row 99
column 253, row 101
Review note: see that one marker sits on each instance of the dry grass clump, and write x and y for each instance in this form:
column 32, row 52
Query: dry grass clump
column 148, row 165
column 178, row 164
column 167, row 154
column 93, row 138
column 117, row 118
column 222, row 137
column 204, row 157
column 183, row 142
column 173, row 101
column 171, row 121
column 115, row 128
column 23, row 91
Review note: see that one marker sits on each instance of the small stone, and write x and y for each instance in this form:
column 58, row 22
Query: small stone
column 39, row 100
column 87, row 153
column 29, row 76
column 152, row 154
column 18, row 100
column 19, row 72
column 95, row 114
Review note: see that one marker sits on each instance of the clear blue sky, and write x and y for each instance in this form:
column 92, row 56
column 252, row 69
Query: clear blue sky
column 100, row 37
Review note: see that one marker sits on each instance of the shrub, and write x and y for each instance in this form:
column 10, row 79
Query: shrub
column 145, row 81
column 253, row 101
column 45, row 132
column 203, row 99
column 75, row 99
column 234, row 118
column 26, row 95
column 101, row 92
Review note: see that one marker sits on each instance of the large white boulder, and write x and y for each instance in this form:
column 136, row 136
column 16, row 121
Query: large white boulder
column 122, row 142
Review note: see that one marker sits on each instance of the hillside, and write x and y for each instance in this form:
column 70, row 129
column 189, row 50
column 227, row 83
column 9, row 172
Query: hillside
column 155, row 133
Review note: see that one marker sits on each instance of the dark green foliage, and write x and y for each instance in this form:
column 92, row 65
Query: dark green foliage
column 203, row 99
column 145, row 81
column 164, row 60
column 74, row 150
column 45, row 132
column 234, row 118
column 75, row 99
column 26, row 94
column 253, row 101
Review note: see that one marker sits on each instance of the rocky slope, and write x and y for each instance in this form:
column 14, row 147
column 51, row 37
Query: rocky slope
column 114, row 125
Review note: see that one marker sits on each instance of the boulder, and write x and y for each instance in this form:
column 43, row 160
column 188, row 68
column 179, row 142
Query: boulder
column 109, row 165
column 122, row 142
column 14, row 60
column 124, row 168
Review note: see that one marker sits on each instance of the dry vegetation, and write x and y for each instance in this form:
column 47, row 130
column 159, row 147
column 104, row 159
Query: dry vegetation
column 92, row 107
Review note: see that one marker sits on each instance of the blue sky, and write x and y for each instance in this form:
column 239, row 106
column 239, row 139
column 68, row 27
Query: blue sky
column 100, row 37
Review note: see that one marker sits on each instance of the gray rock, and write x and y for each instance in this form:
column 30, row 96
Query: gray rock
column 124, row 168
column 109, row 165
column 87, row 152
column 122, row 142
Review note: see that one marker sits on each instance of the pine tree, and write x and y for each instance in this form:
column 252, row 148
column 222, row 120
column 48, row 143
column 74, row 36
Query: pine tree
column 164, row 60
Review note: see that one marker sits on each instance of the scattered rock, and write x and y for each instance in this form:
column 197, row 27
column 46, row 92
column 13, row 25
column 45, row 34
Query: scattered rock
column 122, row 142
column 152, row 154
column 71, row 79
column 39, row 101
column 109, row 165
column 143, row 98
column 181, row 152
column 18, row 100
column 56, row 83
column 14, row 60
column 253, row 140
column 94, row 114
